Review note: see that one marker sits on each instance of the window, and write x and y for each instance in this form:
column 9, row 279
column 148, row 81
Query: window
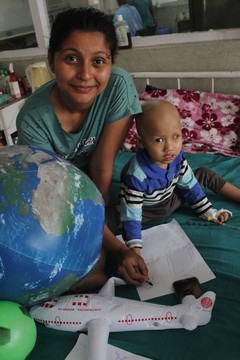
column 25, row 24
column 16, row 31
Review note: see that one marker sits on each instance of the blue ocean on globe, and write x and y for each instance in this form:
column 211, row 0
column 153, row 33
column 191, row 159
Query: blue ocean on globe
column 51, row 224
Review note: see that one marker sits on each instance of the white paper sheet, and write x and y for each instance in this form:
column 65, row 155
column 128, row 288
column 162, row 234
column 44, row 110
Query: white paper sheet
column 170, row 256
column 79, row 352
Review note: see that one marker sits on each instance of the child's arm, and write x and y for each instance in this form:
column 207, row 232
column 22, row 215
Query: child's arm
column 137, row 250
column 193, row 193
column 131, row 202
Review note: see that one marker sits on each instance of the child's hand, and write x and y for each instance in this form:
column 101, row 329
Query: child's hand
column 223, row 216
column 136, row 250
column 217, row 216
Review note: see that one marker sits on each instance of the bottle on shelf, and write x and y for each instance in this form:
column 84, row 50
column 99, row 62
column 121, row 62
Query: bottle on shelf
column 123, row 33
column 14, row 83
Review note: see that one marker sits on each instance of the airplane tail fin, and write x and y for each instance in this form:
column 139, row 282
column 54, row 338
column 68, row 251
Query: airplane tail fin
column 200, row 311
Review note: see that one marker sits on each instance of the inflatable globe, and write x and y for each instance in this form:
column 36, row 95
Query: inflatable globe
column 18, row 331
column 51, row 225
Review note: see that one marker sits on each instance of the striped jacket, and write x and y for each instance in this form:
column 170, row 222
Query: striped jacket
column 143, row 183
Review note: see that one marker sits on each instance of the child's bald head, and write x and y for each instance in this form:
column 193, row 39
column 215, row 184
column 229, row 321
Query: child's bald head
column 160, row 131
column 156, row 113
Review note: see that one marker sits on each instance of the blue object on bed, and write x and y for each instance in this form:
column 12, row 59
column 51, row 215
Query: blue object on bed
column 220, row 248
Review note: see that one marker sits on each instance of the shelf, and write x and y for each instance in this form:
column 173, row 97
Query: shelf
column 8, row 116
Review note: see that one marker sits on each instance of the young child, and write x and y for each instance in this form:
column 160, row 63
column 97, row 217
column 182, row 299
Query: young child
column 158, row 180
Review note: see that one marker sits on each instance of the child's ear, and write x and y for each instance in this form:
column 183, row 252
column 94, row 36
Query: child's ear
column 139, row 141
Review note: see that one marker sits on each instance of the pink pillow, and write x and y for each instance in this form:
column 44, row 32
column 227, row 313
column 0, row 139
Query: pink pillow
column 210, row 121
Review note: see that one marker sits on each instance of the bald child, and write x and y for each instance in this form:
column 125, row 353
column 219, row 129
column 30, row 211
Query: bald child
column 158, row 179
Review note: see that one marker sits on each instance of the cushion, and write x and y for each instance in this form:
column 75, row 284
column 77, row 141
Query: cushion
column 210, row 122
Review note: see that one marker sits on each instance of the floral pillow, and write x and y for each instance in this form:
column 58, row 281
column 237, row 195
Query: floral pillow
column 210, row 122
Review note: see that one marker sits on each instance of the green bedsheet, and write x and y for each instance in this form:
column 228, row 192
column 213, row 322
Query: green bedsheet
column 220, row 248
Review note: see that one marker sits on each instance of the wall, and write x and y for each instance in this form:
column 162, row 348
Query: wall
column 20, row 65
column 206, row 56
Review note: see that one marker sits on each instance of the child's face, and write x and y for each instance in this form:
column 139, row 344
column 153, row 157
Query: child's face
column 161, row 135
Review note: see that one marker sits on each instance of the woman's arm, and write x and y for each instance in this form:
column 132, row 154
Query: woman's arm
column 130, row 265
column 102, row 160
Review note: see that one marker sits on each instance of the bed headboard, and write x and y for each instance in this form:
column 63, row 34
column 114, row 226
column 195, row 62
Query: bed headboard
column 187, row 75
column 210, row 120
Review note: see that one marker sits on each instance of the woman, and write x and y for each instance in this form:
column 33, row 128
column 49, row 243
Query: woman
column 84, row 115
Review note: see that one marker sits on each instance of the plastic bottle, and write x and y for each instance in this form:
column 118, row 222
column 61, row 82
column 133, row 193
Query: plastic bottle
column 14, row 83
column 123, row 33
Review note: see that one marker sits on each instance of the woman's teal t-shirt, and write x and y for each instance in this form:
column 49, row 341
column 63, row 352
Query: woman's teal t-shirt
column 38, row 125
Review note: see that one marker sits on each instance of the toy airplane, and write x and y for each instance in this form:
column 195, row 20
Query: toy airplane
column 99, row 314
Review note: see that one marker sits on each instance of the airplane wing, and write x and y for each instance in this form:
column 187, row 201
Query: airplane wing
column 98, row 329
column 98, row 332
column 108, row 288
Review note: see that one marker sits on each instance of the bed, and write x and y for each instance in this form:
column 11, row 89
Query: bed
column 211, row 134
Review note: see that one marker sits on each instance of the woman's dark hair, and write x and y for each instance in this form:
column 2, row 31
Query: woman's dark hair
column 84, row 19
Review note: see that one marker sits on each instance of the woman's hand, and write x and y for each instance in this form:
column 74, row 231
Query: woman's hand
column 130, row 266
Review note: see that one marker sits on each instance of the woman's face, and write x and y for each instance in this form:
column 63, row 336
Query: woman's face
column 82, row 68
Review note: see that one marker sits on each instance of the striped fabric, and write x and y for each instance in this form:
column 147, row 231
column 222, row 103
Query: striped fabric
column 145, row 183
